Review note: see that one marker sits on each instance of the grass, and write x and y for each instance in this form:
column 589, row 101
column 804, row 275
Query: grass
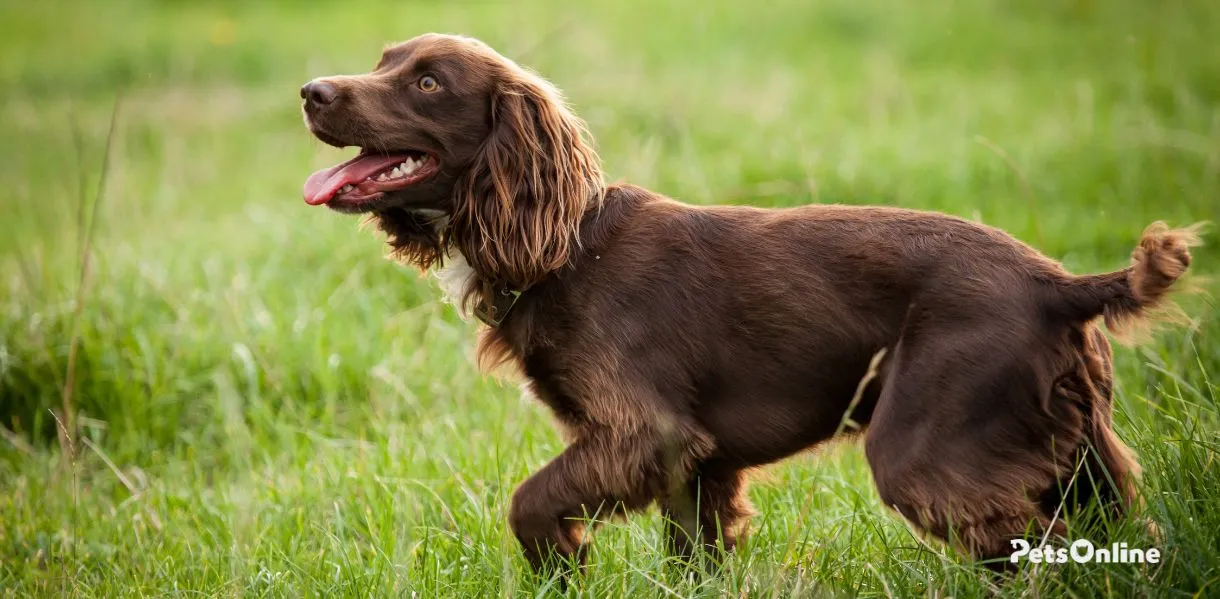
column 266, row 407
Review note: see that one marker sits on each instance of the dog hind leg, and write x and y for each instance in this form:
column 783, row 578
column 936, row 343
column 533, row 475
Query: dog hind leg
column 962, row 444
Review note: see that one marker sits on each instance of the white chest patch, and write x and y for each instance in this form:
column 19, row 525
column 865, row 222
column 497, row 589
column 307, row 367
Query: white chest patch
column 455, row 279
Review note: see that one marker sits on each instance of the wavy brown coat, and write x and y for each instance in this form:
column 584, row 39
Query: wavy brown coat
column 680, row 346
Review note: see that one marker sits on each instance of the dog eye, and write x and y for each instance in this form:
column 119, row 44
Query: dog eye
column 429, row 83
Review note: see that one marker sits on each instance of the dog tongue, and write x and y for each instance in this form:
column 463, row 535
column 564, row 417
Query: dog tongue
column 321, row 186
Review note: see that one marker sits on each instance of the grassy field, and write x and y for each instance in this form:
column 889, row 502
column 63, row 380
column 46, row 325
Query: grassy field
column 263, row 405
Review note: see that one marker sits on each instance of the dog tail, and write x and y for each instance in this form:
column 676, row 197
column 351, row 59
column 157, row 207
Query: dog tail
column 1132, row 297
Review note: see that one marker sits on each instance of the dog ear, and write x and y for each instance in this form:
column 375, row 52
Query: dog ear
column 518, row 208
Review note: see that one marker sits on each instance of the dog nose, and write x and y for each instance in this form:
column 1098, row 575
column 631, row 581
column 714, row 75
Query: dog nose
column 319, row 92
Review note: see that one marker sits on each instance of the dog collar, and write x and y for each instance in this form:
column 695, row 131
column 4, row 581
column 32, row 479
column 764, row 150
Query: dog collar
column 493, row 313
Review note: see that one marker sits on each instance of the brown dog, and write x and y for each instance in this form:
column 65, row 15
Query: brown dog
column 679, row 346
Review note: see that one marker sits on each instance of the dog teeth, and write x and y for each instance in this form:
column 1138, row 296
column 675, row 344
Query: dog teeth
column 346, row 188
column 403, row 169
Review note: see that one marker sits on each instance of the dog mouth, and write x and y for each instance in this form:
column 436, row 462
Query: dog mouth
column 369, row 176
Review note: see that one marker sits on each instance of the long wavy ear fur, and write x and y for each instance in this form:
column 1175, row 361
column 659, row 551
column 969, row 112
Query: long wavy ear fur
column 518, row 208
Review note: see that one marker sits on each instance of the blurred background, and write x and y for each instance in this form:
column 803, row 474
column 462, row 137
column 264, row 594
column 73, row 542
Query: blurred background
column 251, row 399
